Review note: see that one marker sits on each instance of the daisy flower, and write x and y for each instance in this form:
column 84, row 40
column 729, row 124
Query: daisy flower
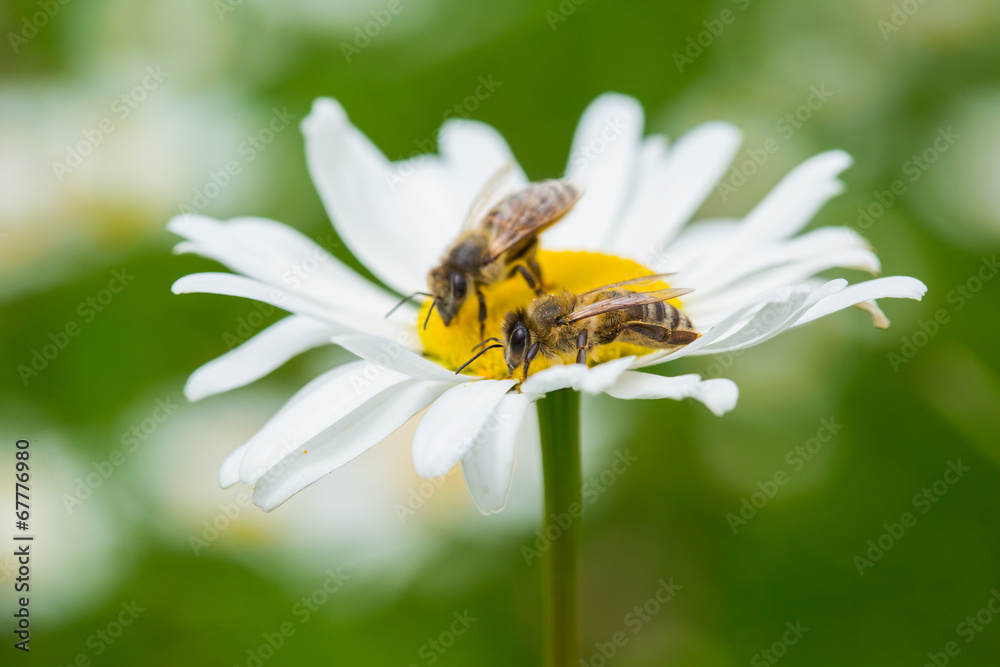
column 752, row 279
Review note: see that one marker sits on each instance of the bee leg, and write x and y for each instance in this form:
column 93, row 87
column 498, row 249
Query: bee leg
column 581, row 347
column 532, row 353
column 537, row 271
column 482, row 313
column 528, row 278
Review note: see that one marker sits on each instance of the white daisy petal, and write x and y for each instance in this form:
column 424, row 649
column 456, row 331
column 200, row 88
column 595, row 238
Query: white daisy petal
column 388, row 354
column 322, row 404
column 706, row 308
column 797, row 198
column 896, row 287
column 776, row 316
column 189, row 248
column 394, row 231
column 443, row 187
column 820, row 249
column 258, row 356
column 449, row 428
column 718, row 394
column 783, row 212
column 279, row 255
column 630, row 235
column 715, row 333
column 671, row 189
column 751, row 323
column 589, row 380
column 230, row 284
column 694, row 244
column 364, row 428
column 229, row 472
column 489, row 466
column 235, row 285
column 604, row 159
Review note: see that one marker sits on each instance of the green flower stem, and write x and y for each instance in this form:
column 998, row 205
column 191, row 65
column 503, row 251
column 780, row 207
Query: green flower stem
column 559, row 423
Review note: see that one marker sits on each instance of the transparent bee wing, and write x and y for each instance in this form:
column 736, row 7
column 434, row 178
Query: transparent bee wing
column 528, row 212
column 500, row 186
column 620, row 301
column 641, row 280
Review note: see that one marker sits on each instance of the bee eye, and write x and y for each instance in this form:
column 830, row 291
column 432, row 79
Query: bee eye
column 459, row 285
column 518, row 341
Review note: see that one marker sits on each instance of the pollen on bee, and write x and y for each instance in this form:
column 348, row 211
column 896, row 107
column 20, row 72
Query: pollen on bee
column 577, row 272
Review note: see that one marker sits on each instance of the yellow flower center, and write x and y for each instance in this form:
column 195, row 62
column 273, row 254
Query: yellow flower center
column 574, row 271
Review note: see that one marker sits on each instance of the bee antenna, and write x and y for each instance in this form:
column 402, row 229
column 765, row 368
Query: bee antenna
column 429, row 311
column 478, row 354
column 493, row 339
column 404, row 300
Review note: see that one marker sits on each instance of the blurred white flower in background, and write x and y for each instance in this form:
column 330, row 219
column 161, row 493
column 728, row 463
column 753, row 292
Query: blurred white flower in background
column 88, row 170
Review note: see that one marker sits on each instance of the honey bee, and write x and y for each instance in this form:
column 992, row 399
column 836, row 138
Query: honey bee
column 557, row 326
column 499, row 238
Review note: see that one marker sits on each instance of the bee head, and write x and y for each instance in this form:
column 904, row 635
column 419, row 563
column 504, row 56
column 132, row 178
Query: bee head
column 516, row 339
column 449, row 287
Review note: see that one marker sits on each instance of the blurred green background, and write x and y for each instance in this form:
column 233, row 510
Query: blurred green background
column 894, row 76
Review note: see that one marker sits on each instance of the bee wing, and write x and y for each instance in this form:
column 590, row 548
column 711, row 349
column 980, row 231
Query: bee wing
column 528, row 212
column 501, row 185
column 641, row 280
column 627, row 300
